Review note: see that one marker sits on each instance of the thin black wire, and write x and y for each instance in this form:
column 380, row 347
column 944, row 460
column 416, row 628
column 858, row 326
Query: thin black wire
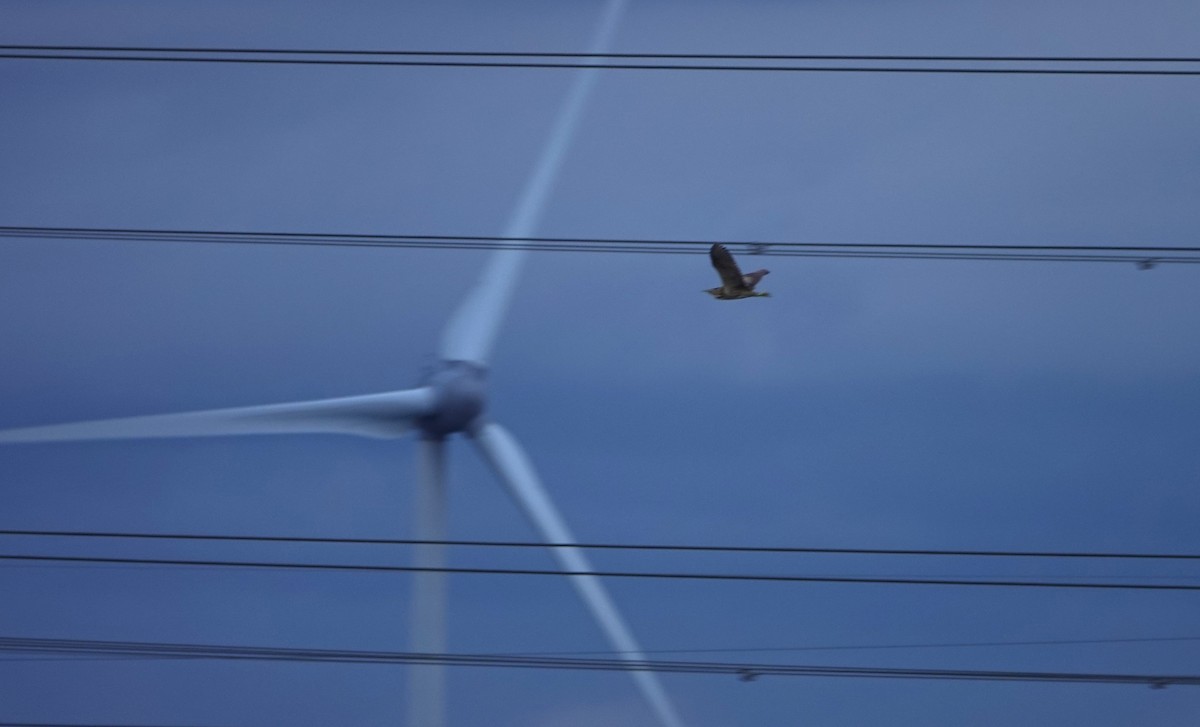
column 360, row 567
column 1145, row 255
column 745, row 671
column 598, row 546
column 9, row 230
column 757, row 649
column 677, row 56
column 880, row 647
column 56, row 53
column 80, row 724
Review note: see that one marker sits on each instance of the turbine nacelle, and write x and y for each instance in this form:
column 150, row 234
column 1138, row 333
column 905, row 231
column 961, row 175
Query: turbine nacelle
column 459, row 396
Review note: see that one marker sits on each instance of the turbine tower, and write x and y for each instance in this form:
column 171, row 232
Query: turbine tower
column 452, row 400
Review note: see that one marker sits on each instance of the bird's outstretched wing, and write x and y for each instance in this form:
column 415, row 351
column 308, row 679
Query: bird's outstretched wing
column 752, row 279
column 722, row 261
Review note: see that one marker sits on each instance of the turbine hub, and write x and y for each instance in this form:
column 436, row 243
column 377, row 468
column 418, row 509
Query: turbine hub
column 460, row 393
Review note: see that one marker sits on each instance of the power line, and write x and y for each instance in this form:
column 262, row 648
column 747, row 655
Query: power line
column 790, row 649
column 545, row 54
column 600, row 546
column 79, row 724
column 745, row 671
column 761, row 649
column 363, row 567
column 650, row 62
column 1142, row 255
column 881, row 647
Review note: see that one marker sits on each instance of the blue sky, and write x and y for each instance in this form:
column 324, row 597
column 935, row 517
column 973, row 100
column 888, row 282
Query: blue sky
column 1038, row 406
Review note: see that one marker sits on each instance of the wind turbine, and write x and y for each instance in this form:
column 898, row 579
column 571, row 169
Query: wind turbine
column 452, row 400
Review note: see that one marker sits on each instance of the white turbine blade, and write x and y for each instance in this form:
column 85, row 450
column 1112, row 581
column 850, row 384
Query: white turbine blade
column 373, row 415
column 513, row 468
column 472, row 330
column 427, row 624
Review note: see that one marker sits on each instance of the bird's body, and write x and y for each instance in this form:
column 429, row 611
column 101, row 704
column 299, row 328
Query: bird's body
column 734, row 284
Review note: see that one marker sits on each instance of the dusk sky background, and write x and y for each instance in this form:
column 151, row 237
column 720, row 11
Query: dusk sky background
column 866, row 404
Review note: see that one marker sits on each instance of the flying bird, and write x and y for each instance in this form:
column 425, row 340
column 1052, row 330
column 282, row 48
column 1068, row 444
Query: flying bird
column 734, row 284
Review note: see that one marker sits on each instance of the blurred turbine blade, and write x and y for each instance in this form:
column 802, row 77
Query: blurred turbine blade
column 373, row 415
column 472, row 330
column 510, row 464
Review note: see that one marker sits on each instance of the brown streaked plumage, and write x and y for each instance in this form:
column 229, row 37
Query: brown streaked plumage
column 734, row 284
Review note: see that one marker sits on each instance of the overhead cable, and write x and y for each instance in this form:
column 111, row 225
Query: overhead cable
column 828, row 63
column 888, row 647
column 744, row 671
column 601, row 546
column 674, row 575
column 82, row 724
column 1141, row 255
column 551, row 54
